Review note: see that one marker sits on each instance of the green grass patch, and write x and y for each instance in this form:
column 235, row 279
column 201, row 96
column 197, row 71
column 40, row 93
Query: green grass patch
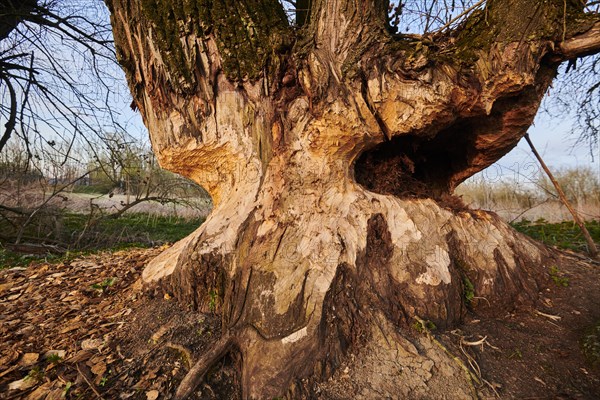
column 565, row 235
column 134, row 229
column 78, row 237
column 9, row 259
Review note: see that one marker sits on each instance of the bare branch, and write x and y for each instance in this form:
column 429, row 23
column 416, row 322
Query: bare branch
column 12, row 119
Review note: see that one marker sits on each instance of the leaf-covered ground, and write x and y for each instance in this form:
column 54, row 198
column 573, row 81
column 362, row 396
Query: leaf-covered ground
column 86, row 329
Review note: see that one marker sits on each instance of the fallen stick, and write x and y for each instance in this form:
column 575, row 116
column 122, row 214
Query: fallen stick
column 592, row 249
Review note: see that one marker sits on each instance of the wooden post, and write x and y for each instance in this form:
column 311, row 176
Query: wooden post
column 592, row 249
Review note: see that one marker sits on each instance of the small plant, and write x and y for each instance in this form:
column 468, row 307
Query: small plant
column 558, row 278
column 36, row 373
column 468, row 290
column 424, row 326
column 516, row 354
column 104, row 285
column 103, row 381
column 53, row 358
column 66, row 390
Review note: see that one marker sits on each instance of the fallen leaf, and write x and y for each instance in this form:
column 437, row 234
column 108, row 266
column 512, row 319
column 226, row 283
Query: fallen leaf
column 71, row 327
column 22, row 384
column 82, row 355
column 98, row 369
column 91, row 344
column 160, row 333
column 152, row 395
column 29, row 359
column 40, row 392
column 14, row 296
column 55, row 394
column 5, row 287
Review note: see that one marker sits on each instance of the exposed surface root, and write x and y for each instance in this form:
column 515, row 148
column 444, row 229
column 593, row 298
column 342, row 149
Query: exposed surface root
column 194, row 376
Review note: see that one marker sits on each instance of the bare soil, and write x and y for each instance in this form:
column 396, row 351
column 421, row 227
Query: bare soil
column 112, row 340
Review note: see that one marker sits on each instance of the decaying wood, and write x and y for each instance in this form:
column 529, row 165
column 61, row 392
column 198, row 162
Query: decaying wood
column 331, row 153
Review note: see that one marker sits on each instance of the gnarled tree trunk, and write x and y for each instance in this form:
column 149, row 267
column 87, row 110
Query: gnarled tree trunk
column 331, row 153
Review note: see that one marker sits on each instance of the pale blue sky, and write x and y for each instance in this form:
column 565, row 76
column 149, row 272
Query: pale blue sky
column 553, row 140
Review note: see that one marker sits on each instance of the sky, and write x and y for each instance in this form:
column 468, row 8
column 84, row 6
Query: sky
column 553, row 140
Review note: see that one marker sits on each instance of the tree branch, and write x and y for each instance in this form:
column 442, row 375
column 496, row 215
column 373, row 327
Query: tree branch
column 585, row 44
column 12, row 119
column 344, row 27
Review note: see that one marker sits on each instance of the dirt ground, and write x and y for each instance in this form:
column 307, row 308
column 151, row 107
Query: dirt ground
column 85, row 329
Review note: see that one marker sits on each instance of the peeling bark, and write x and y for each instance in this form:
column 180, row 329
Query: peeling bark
column 331, row 165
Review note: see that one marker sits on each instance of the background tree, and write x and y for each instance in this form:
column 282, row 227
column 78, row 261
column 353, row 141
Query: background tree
column 59, row 81
column 331, row 150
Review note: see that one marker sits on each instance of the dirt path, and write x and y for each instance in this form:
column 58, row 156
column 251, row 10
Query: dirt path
column 112, row 341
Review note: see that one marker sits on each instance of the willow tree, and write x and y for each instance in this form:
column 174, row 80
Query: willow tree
column 331, row 149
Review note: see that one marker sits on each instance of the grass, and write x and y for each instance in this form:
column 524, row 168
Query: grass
column 565, row 235
column 146, row 230
column 130, row 230
column 135, row 229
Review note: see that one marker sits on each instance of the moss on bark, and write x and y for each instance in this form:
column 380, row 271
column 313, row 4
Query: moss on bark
column 247, row 33
column 514, row 21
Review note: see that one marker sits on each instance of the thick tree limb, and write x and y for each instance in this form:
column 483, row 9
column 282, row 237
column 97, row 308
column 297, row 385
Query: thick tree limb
column 582, row 45
column 12, row 12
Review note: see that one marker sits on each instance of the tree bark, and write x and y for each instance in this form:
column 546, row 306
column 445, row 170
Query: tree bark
column 331, row 153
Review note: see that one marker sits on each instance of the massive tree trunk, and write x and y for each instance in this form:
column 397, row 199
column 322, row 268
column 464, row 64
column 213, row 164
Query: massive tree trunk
column 331, row 152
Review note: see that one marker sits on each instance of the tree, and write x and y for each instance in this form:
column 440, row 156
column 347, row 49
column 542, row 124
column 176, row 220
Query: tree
column 58, row 74
column 331, row 150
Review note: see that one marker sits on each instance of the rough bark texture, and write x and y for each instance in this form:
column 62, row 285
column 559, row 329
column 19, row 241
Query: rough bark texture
column 331, row 153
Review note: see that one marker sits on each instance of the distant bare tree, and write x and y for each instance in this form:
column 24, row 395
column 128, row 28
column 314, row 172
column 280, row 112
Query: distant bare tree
column 58, row 77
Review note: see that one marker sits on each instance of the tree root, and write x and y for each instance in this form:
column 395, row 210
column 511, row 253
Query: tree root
column 194, row 376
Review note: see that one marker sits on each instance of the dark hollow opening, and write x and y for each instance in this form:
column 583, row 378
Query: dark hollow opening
column 416, row 166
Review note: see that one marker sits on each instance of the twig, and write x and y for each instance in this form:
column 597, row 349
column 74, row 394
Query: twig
column 471, row 377
column 459, row 16
column 549, row 316
column 90, row 384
